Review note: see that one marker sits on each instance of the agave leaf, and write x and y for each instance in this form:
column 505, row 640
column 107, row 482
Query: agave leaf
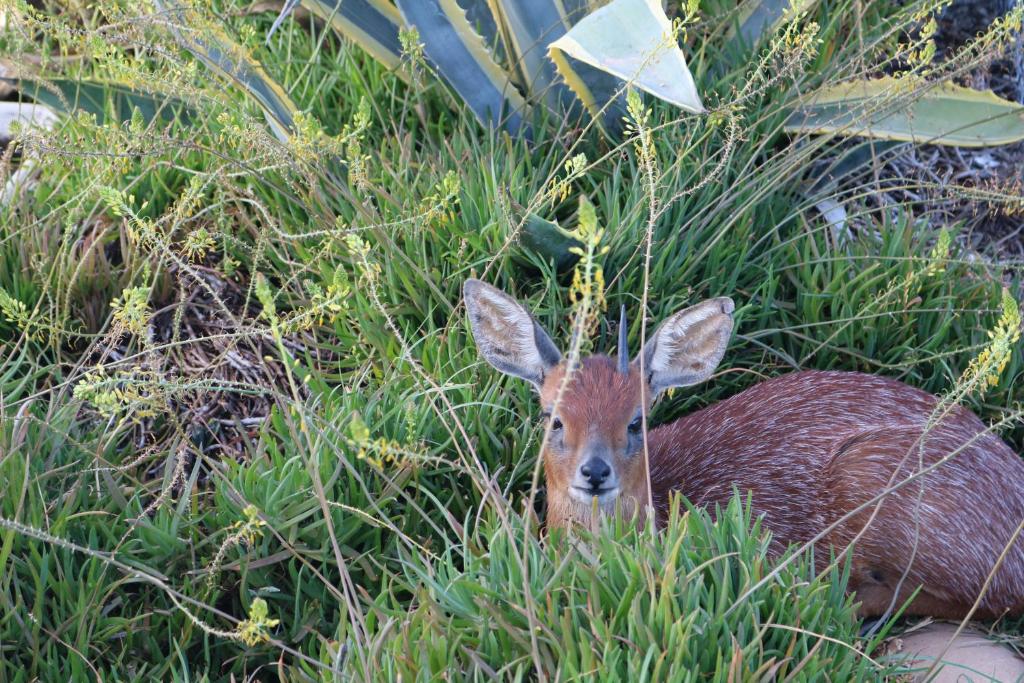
column 103, row 99
column 764, row 17
column 223, row 56
column 605, row 93
column 541, row 237
column 286, row 10
column 574, row 10
column 853, row 160
column 372, row 24
column 461, row 58
column 629, row 39
column 549, row 240
column 481, row 17
column 913, row 111
column 531, row 25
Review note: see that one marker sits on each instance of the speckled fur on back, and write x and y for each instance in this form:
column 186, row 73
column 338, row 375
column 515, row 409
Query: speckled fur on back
column 813, row 446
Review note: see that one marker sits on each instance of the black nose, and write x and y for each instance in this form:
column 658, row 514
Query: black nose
column 596, row 472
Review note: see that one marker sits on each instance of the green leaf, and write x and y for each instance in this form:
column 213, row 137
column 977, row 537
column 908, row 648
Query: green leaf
column 911, row 110
column 104, row 99
column 223, row 56
column 461, row 58
column 631, row 40
column 358, row 430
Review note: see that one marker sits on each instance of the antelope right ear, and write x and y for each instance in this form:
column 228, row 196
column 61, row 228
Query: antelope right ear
column 507, row 335
column 689, row 345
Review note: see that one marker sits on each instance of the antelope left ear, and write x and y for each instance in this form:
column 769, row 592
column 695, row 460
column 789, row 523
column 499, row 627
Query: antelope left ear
column 507, row 335
column 686, row 348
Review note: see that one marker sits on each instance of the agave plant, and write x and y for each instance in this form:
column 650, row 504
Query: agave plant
column 557, row 53
column 564, row 55
column 507, row 57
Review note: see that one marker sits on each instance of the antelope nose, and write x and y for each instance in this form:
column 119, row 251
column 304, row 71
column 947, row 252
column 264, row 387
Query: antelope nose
column 595, row 471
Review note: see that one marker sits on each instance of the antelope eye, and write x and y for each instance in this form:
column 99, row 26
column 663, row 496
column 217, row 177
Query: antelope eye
column 635, row 425
column 556, row 424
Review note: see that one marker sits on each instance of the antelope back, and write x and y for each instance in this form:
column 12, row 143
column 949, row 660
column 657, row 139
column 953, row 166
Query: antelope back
column 922, row 494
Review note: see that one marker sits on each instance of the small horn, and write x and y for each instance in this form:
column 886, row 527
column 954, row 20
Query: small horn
column 623, row 343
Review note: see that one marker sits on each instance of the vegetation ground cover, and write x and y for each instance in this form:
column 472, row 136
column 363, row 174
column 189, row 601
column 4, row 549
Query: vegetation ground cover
column 244, row 430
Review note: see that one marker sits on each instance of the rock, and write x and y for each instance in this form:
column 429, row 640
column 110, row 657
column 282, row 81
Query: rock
column 25, row 114
column 970, row 657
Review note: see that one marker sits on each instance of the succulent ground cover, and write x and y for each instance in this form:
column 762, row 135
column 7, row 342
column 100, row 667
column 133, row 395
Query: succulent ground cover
column 244, row 429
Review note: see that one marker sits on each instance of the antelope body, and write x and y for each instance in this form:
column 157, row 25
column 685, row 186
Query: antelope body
column 920, row 493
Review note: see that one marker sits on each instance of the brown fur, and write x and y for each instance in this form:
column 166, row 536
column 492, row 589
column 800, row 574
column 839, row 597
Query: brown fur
column 811, row 447
column 597, row 402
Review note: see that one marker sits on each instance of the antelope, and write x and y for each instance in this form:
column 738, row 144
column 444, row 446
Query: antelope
column 921, row 494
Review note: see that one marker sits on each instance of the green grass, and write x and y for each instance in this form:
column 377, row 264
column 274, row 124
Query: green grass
column 128, row 561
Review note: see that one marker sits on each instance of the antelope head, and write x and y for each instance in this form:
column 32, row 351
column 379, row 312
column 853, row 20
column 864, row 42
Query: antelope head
column 593, row 454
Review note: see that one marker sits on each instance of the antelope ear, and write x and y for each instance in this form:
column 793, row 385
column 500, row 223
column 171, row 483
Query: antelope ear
column 687, row 347
column 507, row 335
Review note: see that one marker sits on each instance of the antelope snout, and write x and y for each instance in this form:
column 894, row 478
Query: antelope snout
column 596, row 472
column 595, row 478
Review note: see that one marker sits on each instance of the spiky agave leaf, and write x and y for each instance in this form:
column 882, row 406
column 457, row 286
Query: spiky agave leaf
column 627, row 40
column 762, row 18
column 911, row 110
column 372, row 24
column 633, row 41
column 530, row 26
column 225, row 57
column 460, row 56
column 103, row 99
